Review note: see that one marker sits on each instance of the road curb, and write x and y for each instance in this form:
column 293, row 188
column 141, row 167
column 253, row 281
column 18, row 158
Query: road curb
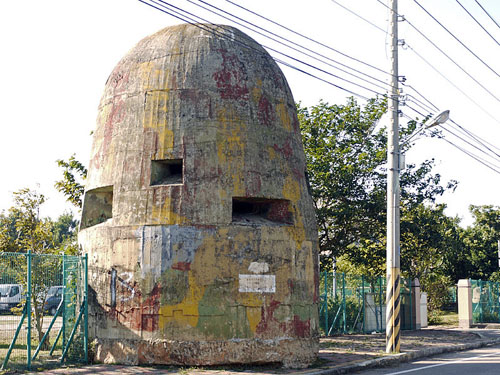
column 402, row 357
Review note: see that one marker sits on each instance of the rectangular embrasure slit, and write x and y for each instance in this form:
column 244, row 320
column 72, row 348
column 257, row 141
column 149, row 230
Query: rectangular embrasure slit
column 261, row 211
column 166, row 172
column 97, row 206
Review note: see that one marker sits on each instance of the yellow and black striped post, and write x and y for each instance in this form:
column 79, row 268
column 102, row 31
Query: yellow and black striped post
column 393, row 196
column 393, row 323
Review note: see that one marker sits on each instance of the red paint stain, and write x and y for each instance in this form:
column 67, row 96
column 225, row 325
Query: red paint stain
column 137, row 313
column 119, row 79
column 231, row 78
column 301, row 328
column 280, row 212
column 266, row 113
column 182, row 266
column 298, row 174
column 253, row 184
column 267, row 317
column 116, row 115
column 286, row 150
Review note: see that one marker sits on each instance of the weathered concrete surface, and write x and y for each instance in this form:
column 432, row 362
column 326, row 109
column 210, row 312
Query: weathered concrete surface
column 197, row 219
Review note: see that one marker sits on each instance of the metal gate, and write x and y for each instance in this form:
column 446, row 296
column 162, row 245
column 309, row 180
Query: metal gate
column 43, row 307
column 485, row 301
column 356, row 304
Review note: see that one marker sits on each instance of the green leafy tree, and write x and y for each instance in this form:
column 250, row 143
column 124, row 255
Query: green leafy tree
column 346, row 156
column 481, row 241
column 35, row 234
column 71, row 185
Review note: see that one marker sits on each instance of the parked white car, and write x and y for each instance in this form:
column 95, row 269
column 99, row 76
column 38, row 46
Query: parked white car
column 10, row 296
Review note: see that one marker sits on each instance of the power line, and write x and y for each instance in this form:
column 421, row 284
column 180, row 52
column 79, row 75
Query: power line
column 166, row 4
column 466, row 141
column 308, row 38
column 357, row 15
column 477, row 138
column 457, row 39
column 445, row 54
column 422, row 96
column 193, row 22
column 479, row 23
column 292, row 42
column 421, row 104
column 453, row 84
column 489, row 15
column 475, row 157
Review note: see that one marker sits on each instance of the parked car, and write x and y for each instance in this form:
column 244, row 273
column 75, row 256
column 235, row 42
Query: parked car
column 10, row 296
column 54, row 297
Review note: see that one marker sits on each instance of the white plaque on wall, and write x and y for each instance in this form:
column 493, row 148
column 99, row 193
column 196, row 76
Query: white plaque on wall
column 257, row 284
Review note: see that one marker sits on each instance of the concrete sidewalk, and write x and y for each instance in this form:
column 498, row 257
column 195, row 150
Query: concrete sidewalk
column 338, row 354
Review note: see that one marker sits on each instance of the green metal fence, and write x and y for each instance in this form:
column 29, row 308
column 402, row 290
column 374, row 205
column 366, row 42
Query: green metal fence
column 351, row 303
column 43, row 310
column 485, row 301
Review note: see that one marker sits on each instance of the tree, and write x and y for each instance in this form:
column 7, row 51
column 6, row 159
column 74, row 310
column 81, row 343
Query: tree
column 481, row 241
column 35, row 234
column 346, row 157
column 71, row 185
column 23, row 229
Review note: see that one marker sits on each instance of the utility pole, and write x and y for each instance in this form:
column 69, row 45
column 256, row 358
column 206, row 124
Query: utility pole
column 393, row 300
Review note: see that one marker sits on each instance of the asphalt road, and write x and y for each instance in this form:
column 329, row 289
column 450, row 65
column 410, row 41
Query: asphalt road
column 483, row 361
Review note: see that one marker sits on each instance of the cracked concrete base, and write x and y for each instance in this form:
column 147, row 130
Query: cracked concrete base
column 291, row 353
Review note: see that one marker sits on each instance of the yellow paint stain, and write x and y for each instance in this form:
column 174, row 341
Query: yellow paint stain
column 254, row 316
column 231, row 149
column 151, row 77
column 284, row 116
column 292, row 192
column 271, row 152
column 155, row 115
column 253, row 305
column 163, row 214
column 291, row 189
column 184, row 313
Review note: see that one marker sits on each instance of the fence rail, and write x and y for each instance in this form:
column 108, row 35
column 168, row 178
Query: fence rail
column 43, row 310
column 352, row 303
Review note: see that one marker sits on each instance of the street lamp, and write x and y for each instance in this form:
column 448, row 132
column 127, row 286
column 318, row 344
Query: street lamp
column 439, row 119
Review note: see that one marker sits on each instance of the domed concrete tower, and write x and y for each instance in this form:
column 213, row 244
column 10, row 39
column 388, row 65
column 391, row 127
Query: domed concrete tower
column 197, row 219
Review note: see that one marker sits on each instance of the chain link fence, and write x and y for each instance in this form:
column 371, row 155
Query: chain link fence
column 356, row 304
column 43, row 308
column 485, row 301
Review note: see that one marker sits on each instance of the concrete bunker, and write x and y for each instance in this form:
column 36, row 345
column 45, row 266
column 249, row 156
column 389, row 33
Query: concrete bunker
column 205, row 251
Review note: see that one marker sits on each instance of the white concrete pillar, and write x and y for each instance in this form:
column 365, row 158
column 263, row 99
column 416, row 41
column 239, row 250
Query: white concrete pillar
column 464, row 303
column 423, row 310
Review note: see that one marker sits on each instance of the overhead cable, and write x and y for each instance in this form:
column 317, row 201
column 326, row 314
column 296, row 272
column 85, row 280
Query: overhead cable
column 177, row 10
column 418, row 93
column 359, row 16
column 457, row 39
column 193, row 22
column 478, row 139
column 308, row 38
column 467, row 142
column 453, row 84
column 292, row 42
column 475, row 157
column 487, row 13
column 479, row 23
column 444, row 53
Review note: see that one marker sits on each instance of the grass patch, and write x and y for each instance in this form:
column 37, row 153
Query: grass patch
column 443, row 318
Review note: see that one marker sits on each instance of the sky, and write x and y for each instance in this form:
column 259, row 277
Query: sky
column 57, row 55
